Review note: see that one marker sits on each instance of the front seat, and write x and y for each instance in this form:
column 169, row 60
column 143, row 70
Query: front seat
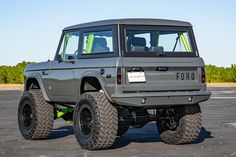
column 100, row 45
column 138, row 44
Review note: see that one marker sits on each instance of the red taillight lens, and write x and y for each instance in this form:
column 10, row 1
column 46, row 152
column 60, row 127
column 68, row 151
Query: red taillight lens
column 203, row 75
column 118, row 76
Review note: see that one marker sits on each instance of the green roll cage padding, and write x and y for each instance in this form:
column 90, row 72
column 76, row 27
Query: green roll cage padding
column 62, row 112
column 184, row 41
column 89, row 43
column 66, row 39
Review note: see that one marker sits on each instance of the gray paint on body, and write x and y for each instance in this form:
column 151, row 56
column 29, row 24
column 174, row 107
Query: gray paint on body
column 61, row 81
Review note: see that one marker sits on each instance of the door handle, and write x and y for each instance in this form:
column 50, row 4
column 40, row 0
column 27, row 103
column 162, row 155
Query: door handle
column 45, row 72
column 71, row 61
column 136, row 69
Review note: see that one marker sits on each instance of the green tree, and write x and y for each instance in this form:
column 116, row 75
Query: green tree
column 220, row 74
column 13, row 74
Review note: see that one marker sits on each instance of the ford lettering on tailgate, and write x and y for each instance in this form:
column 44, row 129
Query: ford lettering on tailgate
column 185, row 76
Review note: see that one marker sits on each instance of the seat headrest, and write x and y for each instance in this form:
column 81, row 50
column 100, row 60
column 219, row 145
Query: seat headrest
column 138, row 41
column 100, row 41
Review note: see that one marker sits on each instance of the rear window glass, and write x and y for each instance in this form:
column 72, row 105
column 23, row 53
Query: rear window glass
column 158, row 41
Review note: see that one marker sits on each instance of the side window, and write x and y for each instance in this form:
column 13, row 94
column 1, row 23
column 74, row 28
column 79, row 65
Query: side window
column 97, row 42
column 69, row 46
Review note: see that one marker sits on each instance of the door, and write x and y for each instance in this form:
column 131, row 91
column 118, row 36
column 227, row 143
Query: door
column 63, row 69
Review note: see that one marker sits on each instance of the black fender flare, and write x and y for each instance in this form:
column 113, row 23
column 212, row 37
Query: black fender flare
column 40, row 82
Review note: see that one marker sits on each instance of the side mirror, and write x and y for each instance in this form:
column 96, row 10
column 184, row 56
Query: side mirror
column 58, row 58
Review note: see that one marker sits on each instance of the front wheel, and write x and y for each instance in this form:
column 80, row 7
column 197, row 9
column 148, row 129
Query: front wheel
column 35, row 115
column 95, row 121
column 181, row 125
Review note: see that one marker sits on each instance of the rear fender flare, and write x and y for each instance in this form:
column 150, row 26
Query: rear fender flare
column 98, row 76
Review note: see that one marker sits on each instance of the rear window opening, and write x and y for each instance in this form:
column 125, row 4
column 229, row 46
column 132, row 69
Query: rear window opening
column 158, row 42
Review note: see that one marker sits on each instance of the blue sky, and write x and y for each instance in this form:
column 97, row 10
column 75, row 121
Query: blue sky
column 30, row 30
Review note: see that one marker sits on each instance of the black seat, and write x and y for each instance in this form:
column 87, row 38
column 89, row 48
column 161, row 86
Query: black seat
column 138, row 44
column 100, row 45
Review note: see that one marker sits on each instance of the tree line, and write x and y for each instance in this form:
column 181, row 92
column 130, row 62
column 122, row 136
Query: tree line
column 214, row 74
column 13, row 74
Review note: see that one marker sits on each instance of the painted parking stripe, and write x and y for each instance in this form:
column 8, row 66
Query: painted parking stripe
column 232, row 124
column 214, row 97
column 224, row 92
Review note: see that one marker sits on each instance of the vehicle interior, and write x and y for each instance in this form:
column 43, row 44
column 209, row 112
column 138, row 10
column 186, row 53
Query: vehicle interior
column 157, row 41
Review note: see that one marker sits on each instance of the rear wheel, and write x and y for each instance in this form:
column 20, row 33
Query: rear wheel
column 95, row 121
column 180, row 124
column 35, row 115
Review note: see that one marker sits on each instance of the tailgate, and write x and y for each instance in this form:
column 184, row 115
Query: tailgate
column 161, row 74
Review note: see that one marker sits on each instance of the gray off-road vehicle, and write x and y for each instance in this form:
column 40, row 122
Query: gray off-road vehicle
column 109, row 75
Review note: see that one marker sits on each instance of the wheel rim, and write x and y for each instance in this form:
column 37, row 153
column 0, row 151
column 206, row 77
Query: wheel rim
column 85, row 121
column 172, row 122
column 27, row 116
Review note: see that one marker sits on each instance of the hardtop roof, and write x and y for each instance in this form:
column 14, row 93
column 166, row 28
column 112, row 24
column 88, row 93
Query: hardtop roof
column 133, row 21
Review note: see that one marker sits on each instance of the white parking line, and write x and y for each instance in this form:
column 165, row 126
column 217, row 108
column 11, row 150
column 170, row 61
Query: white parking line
column 215, row 97
column 224, row 92
column 232, row 124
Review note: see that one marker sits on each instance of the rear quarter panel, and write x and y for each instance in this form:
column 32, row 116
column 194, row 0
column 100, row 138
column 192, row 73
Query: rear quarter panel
column 92, row 67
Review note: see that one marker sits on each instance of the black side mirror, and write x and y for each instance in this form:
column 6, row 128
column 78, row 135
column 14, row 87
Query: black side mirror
column 58, row 58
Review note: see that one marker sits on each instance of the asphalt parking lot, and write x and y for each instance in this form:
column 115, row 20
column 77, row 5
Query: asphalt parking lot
column 217, row 137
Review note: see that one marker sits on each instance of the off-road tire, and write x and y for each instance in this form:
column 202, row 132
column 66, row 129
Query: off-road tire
column 42, row 116
column 188, row 128
column 123, row 127
column 104, row 121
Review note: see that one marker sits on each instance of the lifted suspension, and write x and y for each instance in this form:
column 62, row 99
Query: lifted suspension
column 64, row 113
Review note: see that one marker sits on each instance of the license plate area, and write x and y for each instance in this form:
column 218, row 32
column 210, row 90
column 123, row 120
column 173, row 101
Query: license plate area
column 136, row 77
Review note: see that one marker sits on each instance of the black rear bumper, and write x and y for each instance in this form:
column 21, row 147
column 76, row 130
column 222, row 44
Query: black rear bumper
column 155, row 99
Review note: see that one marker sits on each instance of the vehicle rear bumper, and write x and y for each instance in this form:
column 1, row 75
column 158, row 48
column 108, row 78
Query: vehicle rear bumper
column 155, row 99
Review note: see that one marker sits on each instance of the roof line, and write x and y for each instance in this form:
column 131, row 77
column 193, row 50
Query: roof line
column 131, row 21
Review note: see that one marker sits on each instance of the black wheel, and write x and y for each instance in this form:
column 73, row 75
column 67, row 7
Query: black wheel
column 123, row 127
column 95, row 121
column 35, row 115
column 182, row 126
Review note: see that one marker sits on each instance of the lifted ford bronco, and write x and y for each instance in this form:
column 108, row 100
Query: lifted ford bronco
column 109, row 75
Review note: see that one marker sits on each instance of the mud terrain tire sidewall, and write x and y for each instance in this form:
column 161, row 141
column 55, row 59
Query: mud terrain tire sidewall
column 104, row 121
column 189, row 126
column 42, row 115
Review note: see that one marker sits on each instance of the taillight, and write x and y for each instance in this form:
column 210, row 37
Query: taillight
column 203, row 75
column 118, row 76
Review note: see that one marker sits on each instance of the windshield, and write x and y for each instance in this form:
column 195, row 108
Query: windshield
column 162, row 42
